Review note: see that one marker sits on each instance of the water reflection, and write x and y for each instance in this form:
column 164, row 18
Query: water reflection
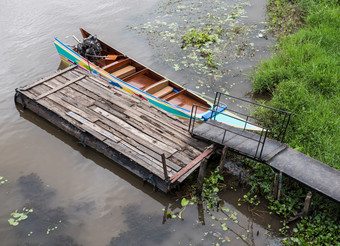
column 97, row 202
column 142, row 222
column 46, row 224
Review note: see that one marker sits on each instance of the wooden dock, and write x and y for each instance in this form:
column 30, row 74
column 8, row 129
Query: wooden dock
column 306, row 170
column 146, row 140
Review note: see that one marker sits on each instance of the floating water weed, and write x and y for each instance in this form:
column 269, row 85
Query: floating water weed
column 3, row 180
column 16, row 217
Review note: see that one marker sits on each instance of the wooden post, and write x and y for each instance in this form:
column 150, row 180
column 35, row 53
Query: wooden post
column 277, row 186
column 223, row 157
column 165, row 214
column 280, row 185
column 308, row 200
column 200, row 211
column 166, row 177
column 201, row 175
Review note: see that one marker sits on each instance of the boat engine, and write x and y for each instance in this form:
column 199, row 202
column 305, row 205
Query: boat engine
column 90, row 48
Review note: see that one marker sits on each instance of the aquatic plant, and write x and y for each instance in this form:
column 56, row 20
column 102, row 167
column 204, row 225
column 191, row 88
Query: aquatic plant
column 198, row 38
column 16, row 217
column 211, row 187
column 205, row 26
column 3, row 180
column 184, row 204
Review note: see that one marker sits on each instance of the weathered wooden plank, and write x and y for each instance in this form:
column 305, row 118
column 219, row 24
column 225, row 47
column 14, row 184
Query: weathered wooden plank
column 59, row 88
column 120, row 105
column 141, row 125
column 104, row 94
column 111, row 108
column 40, row 89
column 163, row 131
column 135, row 131
column 133, row 114
column 53, row 83
column 192, row 164
column 93, row 126
column 308, row 171
column 152, row 162
column 133, row 156
column 65, row 102
column 181, row 157
column 74, row 92
column 130, row 137
column 48, row 78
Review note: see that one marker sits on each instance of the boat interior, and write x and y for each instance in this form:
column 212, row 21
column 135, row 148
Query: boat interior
column 135, row 74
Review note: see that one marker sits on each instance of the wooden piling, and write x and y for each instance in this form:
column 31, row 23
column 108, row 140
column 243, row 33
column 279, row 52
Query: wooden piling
column 277, row 185
column 223, row 158
column 306, row 206
column 165, row 214
column 201, row 175
column 200, row 211
column 166, row 177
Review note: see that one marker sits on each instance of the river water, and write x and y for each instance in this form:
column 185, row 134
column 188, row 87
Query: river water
column 72, row 195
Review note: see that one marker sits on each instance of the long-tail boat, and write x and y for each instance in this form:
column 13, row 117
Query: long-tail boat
column 112, row 65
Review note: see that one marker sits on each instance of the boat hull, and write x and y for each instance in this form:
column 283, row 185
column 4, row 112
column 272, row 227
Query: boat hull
column 71, row 57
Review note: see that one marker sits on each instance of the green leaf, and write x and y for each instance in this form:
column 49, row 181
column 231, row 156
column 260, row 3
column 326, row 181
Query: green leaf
column 184, row 202
column 16, row 215
column 23, row 217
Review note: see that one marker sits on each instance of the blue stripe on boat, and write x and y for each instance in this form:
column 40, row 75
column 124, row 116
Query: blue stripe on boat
column 210, row 114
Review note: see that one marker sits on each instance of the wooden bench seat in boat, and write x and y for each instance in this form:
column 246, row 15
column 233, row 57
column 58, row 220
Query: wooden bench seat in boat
column 163, row 92
column 124, row 72
column 157, row 86
column 160, row 88
column 116, row 65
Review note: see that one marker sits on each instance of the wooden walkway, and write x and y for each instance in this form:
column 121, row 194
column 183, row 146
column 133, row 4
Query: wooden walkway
column 239, row 140
column 125, row 128
column 300, row 167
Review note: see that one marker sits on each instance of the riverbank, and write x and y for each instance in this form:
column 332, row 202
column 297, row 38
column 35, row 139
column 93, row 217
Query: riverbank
column 303, row 78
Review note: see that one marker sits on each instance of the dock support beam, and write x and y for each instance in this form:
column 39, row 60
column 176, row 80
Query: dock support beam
column 166, row 177
column 277, row 186
column 200, row 210
column 306, row 207
column 201, row 174
column 223, row 158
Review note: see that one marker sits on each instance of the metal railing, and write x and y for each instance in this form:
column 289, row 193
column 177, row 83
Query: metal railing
column 279, row 128
column 264, row 127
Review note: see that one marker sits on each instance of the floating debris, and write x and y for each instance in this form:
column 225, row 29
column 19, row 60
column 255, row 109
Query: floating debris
column 16, row 216
column 207, row 39
column 3, row 180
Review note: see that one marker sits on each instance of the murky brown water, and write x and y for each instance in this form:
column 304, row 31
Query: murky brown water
column 78, row 196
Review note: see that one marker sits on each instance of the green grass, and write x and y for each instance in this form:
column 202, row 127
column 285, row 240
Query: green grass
column 304, row 78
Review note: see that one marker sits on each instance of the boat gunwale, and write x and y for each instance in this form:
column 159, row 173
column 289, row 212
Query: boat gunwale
column 131, row 87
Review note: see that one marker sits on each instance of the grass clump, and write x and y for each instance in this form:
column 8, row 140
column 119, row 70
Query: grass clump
column 201, row 39
column 320, row 227
column 198, row 38
column 285, row 16
column 304, row 78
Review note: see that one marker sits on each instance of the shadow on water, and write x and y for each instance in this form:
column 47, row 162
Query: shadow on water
column 94, row 156
column 45, row 224
column 143, row 228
